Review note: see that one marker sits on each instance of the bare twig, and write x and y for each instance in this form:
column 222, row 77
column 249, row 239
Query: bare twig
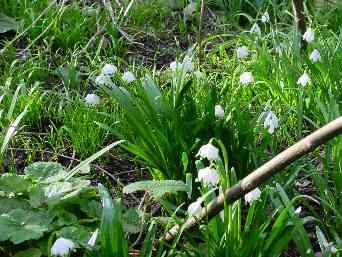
column 260, row 175
column 298, row 13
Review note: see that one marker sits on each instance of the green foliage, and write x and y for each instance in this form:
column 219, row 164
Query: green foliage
column 7, row 23
column 157, row 189
column 41, row 202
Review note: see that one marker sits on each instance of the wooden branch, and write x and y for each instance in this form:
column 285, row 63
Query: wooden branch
column 298, row 13
column 260, row 175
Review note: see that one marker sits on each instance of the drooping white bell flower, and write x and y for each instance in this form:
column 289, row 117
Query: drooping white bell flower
column 246, row 78
column 174, row 65
column 265, row 17
column 242, row 52
column 62, row 247
column 108, row 69
column 208, row 176
column 309, row 35
column 253, row 195
column 298, row 210
column 195, row 207
column 103, row 80
column 92, row 239
column 219, row 111
column 187, row 65
column 315, row 55
column 128, row 77
column 209, row 152
column 304, row 79
column 255, row 29
column 271, row 121
column 92, row 99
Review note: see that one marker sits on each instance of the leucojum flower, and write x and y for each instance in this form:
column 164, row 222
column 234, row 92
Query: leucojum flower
column 255, row 29
column 62, row 247
column 185, row 66
column 271, row 121
column 253, row 195
column 195, row 207
column 209, row 152
column 128, row 77
column 92, row 99
column 242, row 52
column 304, row 79
column 246, row 78
column 309, row 35
column 208, row 176
column 315, row 56
column 93, row 238
column 219, row 111
column 265, row 17
column 107, row 71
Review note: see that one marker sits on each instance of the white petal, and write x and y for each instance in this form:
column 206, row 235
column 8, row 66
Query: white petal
column 309, row 35
column 242, row 52
column 194, row 208
column 92, row 239
column 219, row 111
column 298, row 210
column 246, row 78
column 128, row 77
column 265, row 17
column 62, row 247
column 92, row 99
column 315, row 56
column 255, row 29
column 208, row 176
column 253, row 195
column 103, row 80
column 303, row 80
column 108, row 69
column 209, row 152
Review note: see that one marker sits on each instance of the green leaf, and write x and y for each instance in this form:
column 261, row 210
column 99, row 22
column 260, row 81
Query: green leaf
column 12, row 183
column 78, row 234
column 46, row 172
column 21, row 225
column 157, row 188
column 132, row 221
column 7, row 205
column 91, row 208
column 7, row 23
column 32, row 252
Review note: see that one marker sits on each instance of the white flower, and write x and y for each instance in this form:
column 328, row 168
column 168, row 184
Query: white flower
column 303, row 80
column 62, row 247
column 208, row 176
column 255, row 29
column 271, row 122
column 280, row 49
column 242, row 52
column 108, row 69
column 315, row 56
column 199, row 74
column 219, row 111
column 246, row 78
column 92, row 239
column 209, row 151
column 189, row 10
column 253, row 195
column 103, row 80
column 298, row 210
column 128, row 76
column 265, row 17
column 309, row 35
column 92, row 99
column 185, row 66
column 195, row 207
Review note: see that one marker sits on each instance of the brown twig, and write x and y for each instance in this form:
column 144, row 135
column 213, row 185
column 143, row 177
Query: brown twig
column 260, row 175
column 298, row 13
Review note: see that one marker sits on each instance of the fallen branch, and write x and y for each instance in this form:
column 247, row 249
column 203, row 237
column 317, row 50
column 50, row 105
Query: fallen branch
column 298, row 13
column 260, row 175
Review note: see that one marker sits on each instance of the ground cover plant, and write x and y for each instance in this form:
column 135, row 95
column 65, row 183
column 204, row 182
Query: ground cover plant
column 123, row 120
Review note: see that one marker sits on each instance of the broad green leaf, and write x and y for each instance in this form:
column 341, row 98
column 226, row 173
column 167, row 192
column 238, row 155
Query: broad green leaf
column 132, row 221
column 7, row 23
column 91, row 208
column 156, row 188
column 7, row 205
column 32, row 252
column 21, row 225
column 12, row 183
column 78, row 234
column 46, row 172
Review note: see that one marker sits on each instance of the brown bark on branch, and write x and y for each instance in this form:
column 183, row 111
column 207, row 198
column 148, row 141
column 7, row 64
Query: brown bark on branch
column 298, row 13
column 262, row 174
